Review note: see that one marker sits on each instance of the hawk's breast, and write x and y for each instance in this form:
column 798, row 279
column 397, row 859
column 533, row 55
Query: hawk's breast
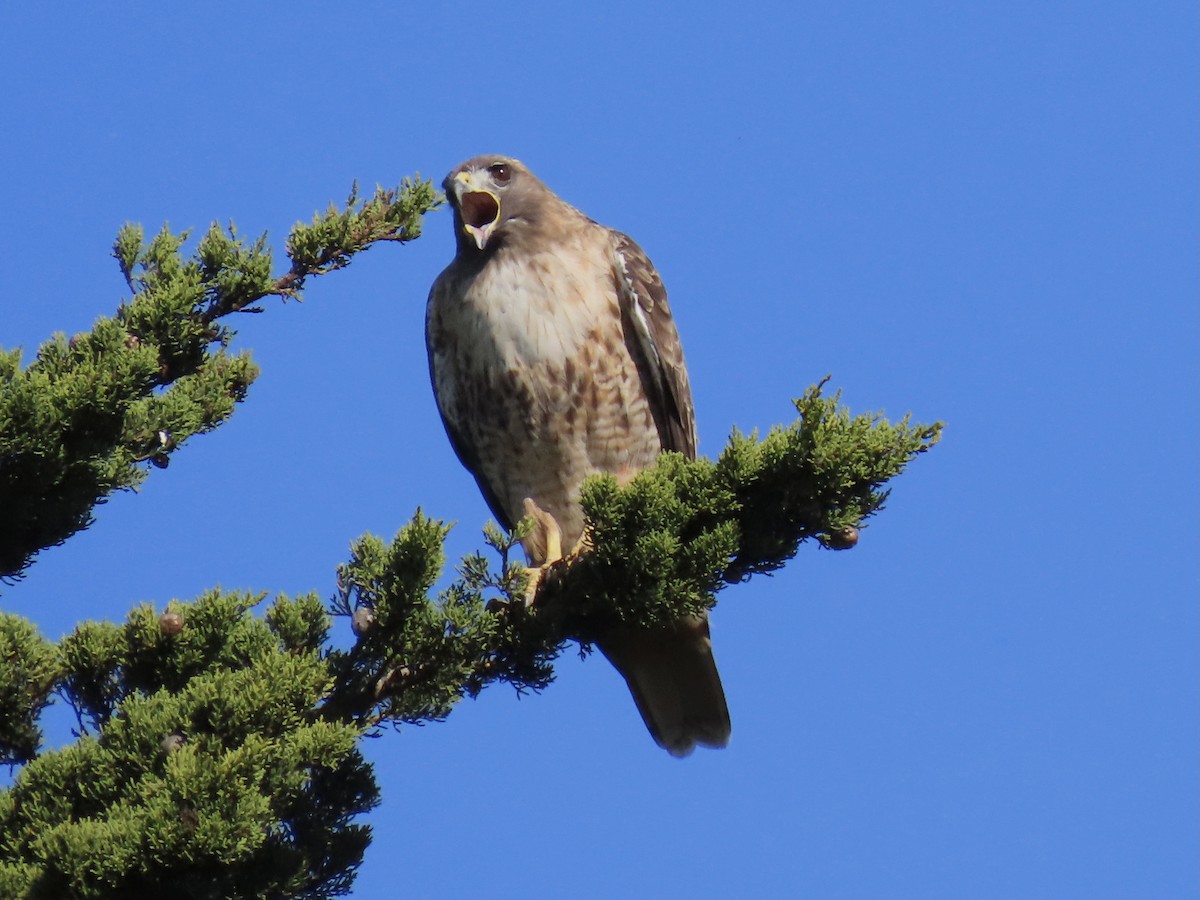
column 534, row 377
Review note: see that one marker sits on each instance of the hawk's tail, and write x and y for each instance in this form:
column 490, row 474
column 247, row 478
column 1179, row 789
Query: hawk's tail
column 674, row 681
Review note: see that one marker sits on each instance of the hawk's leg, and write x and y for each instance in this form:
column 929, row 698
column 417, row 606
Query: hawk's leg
column 543, row 545
column 543, row 548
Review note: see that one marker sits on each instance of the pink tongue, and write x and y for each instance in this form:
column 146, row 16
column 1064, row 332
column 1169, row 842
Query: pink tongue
column 478, row 208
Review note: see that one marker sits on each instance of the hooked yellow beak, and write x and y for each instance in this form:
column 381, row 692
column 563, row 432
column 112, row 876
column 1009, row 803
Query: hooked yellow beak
column 480, row 209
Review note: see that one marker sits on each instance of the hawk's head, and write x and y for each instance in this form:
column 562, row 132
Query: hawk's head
column 488, row 194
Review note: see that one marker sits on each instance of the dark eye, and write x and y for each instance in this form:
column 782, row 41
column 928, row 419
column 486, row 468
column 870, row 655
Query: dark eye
column 501, row 172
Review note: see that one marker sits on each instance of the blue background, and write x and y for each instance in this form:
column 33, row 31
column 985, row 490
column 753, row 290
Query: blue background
column 984, row 213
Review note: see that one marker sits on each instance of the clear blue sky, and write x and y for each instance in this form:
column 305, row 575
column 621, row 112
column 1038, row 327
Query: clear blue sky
column 984, row 213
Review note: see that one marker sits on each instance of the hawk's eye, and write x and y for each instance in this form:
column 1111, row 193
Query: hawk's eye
column 501, row 172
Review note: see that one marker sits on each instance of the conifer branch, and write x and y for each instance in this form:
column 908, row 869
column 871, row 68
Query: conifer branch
column 232, row 739
column 218, row 750
column 204, row 771
column 659, row 549
column 90, row 414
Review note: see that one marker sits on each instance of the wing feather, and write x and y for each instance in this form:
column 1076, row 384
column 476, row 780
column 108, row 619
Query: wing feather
column 653, row 341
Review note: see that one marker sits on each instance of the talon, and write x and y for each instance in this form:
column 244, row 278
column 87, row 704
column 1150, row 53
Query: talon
column 543, row 547
column 582, row 546
column 533, row 579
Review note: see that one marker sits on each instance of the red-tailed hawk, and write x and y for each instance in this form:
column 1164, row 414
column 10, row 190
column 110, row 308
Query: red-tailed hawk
column 554, row 356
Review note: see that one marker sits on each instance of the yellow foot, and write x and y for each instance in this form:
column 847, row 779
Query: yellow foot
column 543, row 548
column 582, row 546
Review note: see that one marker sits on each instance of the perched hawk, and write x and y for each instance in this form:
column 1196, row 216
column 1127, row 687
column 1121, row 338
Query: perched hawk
column 553, row 357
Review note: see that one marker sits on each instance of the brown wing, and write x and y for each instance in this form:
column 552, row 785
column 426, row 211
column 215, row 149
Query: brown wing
column 654, row 344
column 670, row 670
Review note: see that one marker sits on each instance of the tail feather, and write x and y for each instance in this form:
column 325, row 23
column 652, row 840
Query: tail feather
column 674, row 681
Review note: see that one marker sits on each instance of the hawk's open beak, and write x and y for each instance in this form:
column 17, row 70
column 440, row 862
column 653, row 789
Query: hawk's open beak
column 480, row 210
column 480, row 214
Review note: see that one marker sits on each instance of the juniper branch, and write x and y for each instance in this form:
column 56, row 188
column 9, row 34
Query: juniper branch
column 89, row 414
column 660, row 548
column 219, row 748
column 206, row 771
column 231, row 739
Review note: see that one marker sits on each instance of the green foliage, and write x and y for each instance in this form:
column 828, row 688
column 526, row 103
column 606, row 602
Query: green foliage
column 217, row 751
column 332, row 238
column 660, row 548
column 669, row 565
column 208, row 763
column 28, row 671
column 90, row 414
column 205, row 767
column 820, row 477
column 301, row 624
column 417, row 656
column 678, row 533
